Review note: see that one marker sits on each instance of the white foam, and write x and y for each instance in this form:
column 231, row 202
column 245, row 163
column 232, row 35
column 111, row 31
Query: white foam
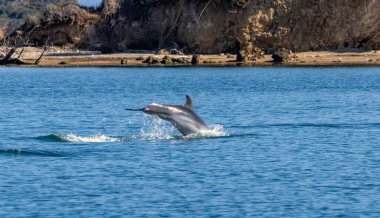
column 213, row 131
column 93, row 139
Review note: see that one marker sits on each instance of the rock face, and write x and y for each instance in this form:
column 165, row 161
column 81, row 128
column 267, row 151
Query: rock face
column 215, row 26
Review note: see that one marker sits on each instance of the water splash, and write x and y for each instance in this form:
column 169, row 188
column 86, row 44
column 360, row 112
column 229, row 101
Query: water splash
column 214, row 131
column 155, row 128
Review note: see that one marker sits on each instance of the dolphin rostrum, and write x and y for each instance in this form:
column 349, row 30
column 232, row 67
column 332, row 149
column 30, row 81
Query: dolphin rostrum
column 182, row 117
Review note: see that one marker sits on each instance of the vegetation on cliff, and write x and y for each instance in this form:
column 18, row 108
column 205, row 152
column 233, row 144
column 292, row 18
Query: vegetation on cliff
column 19, row 9
column 14, row 12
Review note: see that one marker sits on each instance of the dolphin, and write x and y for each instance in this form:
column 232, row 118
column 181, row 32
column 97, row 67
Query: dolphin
column 182, row 117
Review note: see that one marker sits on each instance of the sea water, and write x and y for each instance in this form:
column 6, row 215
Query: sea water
column 285, row 142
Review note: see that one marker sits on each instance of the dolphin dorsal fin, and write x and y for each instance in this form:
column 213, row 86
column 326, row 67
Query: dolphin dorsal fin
column 189, row 103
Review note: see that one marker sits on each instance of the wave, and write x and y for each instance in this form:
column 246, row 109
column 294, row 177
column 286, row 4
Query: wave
column 207, row 134
column 152, row 133
column 20, row 152
column 75, row 138
column 153, row 129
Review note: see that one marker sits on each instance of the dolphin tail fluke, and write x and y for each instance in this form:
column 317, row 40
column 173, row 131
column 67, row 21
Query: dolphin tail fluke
column 129, row 109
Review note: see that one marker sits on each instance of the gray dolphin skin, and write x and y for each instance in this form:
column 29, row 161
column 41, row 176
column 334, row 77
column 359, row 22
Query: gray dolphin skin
column 182, row 117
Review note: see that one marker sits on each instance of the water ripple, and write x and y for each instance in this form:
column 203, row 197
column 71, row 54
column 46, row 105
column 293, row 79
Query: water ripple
column 322, row 125
column 20, row 152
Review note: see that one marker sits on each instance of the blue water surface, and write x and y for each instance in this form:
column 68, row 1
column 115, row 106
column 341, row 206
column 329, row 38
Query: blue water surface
column 298, row 142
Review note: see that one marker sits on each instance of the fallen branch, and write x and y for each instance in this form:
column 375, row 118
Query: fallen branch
column 43, row 51
column 40, row 57
column 8, row 56
column 9, row 60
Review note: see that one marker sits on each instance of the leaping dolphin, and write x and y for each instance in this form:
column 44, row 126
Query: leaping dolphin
column 182, row 117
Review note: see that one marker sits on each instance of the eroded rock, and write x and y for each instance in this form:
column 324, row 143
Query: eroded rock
column 281, row 55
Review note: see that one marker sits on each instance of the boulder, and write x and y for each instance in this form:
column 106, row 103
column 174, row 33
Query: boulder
column 281, row 55
column 175, row 51
column 241, row 56
column 123, row 61
column 195, row 59
column 178, row 60
column 162, row 52
column 252, row 54
column 167, row 60
column 151, row 60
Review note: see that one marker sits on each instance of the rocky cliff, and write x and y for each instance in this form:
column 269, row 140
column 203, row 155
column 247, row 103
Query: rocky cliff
column 214, row 26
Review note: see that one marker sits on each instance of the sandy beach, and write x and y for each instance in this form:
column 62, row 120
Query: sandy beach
column 58, row 57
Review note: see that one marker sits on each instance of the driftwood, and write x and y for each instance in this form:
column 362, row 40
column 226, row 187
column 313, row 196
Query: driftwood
column 8, row 56
column 7, row 59
column 40, row 57
column 43, row 51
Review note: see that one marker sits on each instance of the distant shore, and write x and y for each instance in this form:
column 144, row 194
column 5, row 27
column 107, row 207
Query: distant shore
column 75, row 58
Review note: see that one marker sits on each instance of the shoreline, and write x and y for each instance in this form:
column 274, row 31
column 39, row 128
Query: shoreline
column 71, row 58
